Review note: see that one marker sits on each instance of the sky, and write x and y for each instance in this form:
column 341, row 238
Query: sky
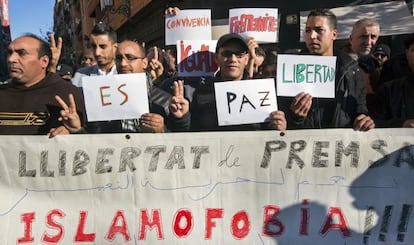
column 34, row 16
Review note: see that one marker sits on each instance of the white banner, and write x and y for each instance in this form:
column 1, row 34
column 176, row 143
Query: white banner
column 297, row 187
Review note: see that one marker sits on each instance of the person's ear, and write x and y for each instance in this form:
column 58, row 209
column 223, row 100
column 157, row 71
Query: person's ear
column 334, row 34
column 145, row 63
column 44, row 61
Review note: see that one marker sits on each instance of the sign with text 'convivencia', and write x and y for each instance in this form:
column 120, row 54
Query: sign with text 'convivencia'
column 189, row 24
column 196, row 58
column 243, row 102
column 115, row 97
column 306, row 73
column 260, row 23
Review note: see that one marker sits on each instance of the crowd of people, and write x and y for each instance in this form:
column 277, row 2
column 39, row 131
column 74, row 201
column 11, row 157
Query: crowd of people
column 371, row 88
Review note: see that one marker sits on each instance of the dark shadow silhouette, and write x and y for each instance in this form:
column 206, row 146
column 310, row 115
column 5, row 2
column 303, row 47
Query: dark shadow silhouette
column 383, row 200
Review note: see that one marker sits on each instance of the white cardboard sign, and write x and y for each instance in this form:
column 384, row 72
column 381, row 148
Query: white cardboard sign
column 195, row 58
column 306, row 73
column 194, row 24
column 243, row 102
column 115, row 97
column 260, row 23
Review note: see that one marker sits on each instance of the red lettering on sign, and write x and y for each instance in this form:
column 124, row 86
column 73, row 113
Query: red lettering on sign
column 145, row 221
column 178, row 222
column 50, row 222
column 27, row 219
column 81, row 236
column 243, row 219
column 212, row 213
column 271, row 225
column 115, row 228
column 330, row 224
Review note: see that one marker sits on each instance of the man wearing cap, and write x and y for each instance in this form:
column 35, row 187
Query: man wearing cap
column 381, row 53
column 232, row 57
column 64, row 71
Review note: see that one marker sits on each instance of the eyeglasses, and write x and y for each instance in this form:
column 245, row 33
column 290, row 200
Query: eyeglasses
column 127, row 57
column 229, row 53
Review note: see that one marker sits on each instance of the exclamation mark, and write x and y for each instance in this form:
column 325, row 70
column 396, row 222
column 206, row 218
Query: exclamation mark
column 402, row 226
column 369, row 224
column 385, row 223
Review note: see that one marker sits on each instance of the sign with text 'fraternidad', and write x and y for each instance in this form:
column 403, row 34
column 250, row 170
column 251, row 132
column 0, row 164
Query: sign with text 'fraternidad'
column 196, row 58
column 115, row 97
column 302, row 187
column 312, row 74
column 243, row 102
column 260, row 23
column 189, row 24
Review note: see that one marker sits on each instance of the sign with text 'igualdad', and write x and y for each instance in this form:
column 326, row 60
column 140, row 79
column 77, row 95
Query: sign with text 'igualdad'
column 196, row 58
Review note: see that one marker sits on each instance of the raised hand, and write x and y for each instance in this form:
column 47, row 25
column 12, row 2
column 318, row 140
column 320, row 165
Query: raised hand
column 69, row 116
column 156, row 67
column 56, row 50
column 179, row 105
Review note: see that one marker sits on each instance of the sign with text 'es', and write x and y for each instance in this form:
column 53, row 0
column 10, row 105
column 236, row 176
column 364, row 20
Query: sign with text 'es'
column 115, row 97
column 312, row 74
column 190, row 24
column 243, row 102
column 196, row 58
column 260, row 23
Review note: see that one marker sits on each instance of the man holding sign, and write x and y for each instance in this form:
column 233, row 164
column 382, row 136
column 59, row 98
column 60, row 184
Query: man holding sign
column 348, row 109
column 232, row 57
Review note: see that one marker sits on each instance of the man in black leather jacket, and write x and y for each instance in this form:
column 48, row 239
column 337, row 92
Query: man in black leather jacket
column 348, row 109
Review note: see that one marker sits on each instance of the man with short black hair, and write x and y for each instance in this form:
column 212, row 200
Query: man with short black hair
column 32, row 102
column 103, row 41
column 348, row 108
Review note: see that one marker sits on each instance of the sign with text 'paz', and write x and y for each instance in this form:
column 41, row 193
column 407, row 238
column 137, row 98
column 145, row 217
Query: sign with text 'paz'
column 243, row 102
column 190, row 24
column 260, row 23
column 115, row 97
column 196, row 58
column 312, row 74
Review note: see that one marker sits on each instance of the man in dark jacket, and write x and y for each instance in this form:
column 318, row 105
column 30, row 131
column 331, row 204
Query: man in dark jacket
column 28, row 103
column 348, row 109
column 232, row 57
column 130, row 58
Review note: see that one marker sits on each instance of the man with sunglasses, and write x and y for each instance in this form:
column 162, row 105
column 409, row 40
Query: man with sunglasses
column 232, row 57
